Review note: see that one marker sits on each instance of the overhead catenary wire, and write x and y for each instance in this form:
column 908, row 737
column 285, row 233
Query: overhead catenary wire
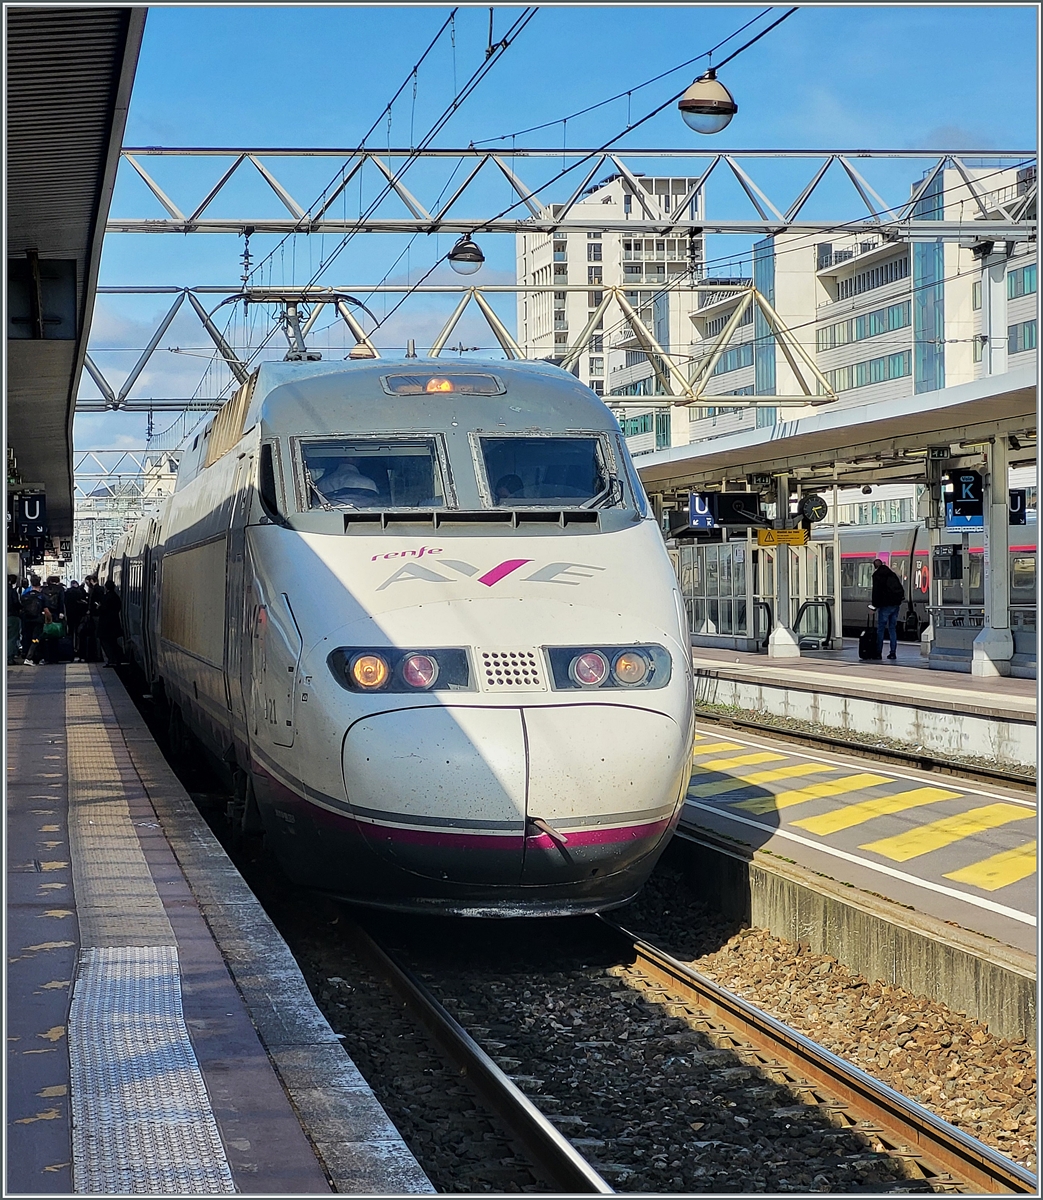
column 606, row 146
column 628, row 92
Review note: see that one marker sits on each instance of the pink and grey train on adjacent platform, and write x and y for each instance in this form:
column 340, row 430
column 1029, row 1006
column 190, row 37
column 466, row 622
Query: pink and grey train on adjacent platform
column 424, row 613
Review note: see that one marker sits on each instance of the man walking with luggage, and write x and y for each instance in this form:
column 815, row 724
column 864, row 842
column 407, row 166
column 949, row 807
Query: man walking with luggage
column 887, row 597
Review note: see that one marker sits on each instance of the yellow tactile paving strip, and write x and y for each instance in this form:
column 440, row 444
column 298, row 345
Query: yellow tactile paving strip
column 142, row 1122
column 117, row 903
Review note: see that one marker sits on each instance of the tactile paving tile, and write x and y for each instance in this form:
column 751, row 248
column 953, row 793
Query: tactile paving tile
column 141, row 1117
column 103, row 842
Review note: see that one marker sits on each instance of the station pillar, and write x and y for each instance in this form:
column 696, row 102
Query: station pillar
column 782, row 642
column 994, row 647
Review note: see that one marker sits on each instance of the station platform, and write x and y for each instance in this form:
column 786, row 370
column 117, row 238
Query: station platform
column 922, row 880
column 161, row 1039
column 945, row 713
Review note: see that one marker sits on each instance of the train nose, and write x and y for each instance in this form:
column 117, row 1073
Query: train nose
column 538, row 796
column 441, row 791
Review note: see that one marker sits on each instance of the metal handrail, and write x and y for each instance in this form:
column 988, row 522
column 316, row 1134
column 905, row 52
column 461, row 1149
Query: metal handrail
column 825, row 602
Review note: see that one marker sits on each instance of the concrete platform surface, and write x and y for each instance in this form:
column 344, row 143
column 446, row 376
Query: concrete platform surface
column 160, row 1036
column 906, row 680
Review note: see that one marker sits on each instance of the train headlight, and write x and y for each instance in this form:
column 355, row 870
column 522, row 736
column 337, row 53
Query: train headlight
column 420, row 671
column 630, row 668
column 587, row 667
column 405, row 671
column 590, row 669
column 369, row 671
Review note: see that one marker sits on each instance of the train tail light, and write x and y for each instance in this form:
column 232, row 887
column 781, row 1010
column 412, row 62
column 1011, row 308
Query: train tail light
column 589, row 669
column 419, row 671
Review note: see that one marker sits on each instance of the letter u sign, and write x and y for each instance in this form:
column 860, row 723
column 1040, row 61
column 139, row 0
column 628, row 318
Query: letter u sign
column 31, row 510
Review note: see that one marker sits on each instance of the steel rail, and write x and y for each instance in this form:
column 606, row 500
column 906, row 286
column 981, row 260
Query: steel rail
column 941, row 1148
column 562, row 1164
column 926, row 762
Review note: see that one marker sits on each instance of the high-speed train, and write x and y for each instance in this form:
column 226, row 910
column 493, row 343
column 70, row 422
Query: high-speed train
column 425, row 616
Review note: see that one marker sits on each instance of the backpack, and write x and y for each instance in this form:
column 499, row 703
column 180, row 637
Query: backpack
column 894, row 589
column 32, row 606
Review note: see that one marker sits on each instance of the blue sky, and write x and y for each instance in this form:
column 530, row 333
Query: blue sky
column 832, row 77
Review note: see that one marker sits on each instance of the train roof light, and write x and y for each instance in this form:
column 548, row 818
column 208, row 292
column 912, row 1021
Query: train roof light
column 466, row 256
column 707, row 106
column 439, row 384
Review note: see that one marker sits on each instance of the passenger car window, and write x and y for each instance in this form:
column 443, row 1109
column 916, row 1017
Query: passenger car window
column 372, row 473
column 1023, row 574
column 547, row 471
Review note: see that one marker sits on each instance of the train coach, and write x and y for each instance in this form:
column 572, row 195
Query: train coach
column 425, row 618
column 906, row 549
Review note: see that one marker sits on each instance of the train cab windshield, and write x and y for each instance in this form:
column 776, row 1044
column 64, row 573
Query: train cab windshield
column 373, row 473
column 571, row 470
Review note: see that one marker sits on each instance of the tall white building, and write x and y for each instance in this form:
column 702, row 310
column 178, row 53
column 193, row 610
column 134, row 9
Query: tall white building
column 574, row 268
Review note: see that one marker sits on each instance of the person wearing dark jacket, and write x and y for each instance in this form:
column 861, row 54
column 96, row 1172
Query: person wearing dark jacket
column 86, row 644
column 887, row 596
column 34, row 613
column 75, row 608
column 110, row 625
column 14, row 621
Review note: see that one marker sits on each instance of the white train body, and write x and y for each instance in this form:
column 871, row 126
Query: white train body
column 527, row 749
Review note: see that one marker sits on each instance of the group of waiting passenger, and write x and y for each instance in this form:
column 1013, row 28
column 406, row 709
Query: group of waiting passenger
column 51, row 623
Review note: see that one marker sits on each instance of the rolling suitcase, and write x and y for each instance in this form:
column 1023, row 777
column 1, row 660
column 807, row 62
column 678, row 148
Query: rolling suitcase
column 869, row 642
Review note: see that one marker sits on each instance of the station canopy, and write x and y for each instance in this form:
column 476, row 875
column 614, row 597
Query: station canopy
column 69, row 77
column 875, row 442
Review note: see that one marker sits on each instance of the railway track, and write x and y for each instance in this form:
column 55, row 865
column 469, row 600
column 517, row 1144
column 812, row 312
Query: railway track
column 924, row 1152
column 914, row 758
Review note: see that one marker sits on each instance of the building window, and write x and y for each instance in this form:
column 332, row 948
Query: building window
column 560, row 297
column 735, row 358
column 632, row 426
column 597, row 343
column 857, row 329
column 595, row 233
column 597, row 386
column 766, row 416
column 714, row 327
column 594, row 299
column 1021, row 337
column 594, row 275
column 597, row 366
column 976, row 293
column 662, row 430
column 628, row 203
column 593, row 252
column 764, row 281
column 873, row 370
column 977, row 349
column 879, row 276
column 634, row 358
column 1021, row 282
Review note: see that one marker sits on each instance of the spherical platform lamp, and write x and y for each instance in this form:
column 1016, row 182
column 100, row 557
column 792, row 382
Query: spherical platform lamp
column 466, row 256
column 707, row 106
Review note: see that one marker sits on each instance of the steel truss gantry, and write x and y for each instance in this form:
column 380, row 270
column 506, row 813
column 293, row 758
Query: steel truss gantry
column 997, row 216
column 301, row 307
